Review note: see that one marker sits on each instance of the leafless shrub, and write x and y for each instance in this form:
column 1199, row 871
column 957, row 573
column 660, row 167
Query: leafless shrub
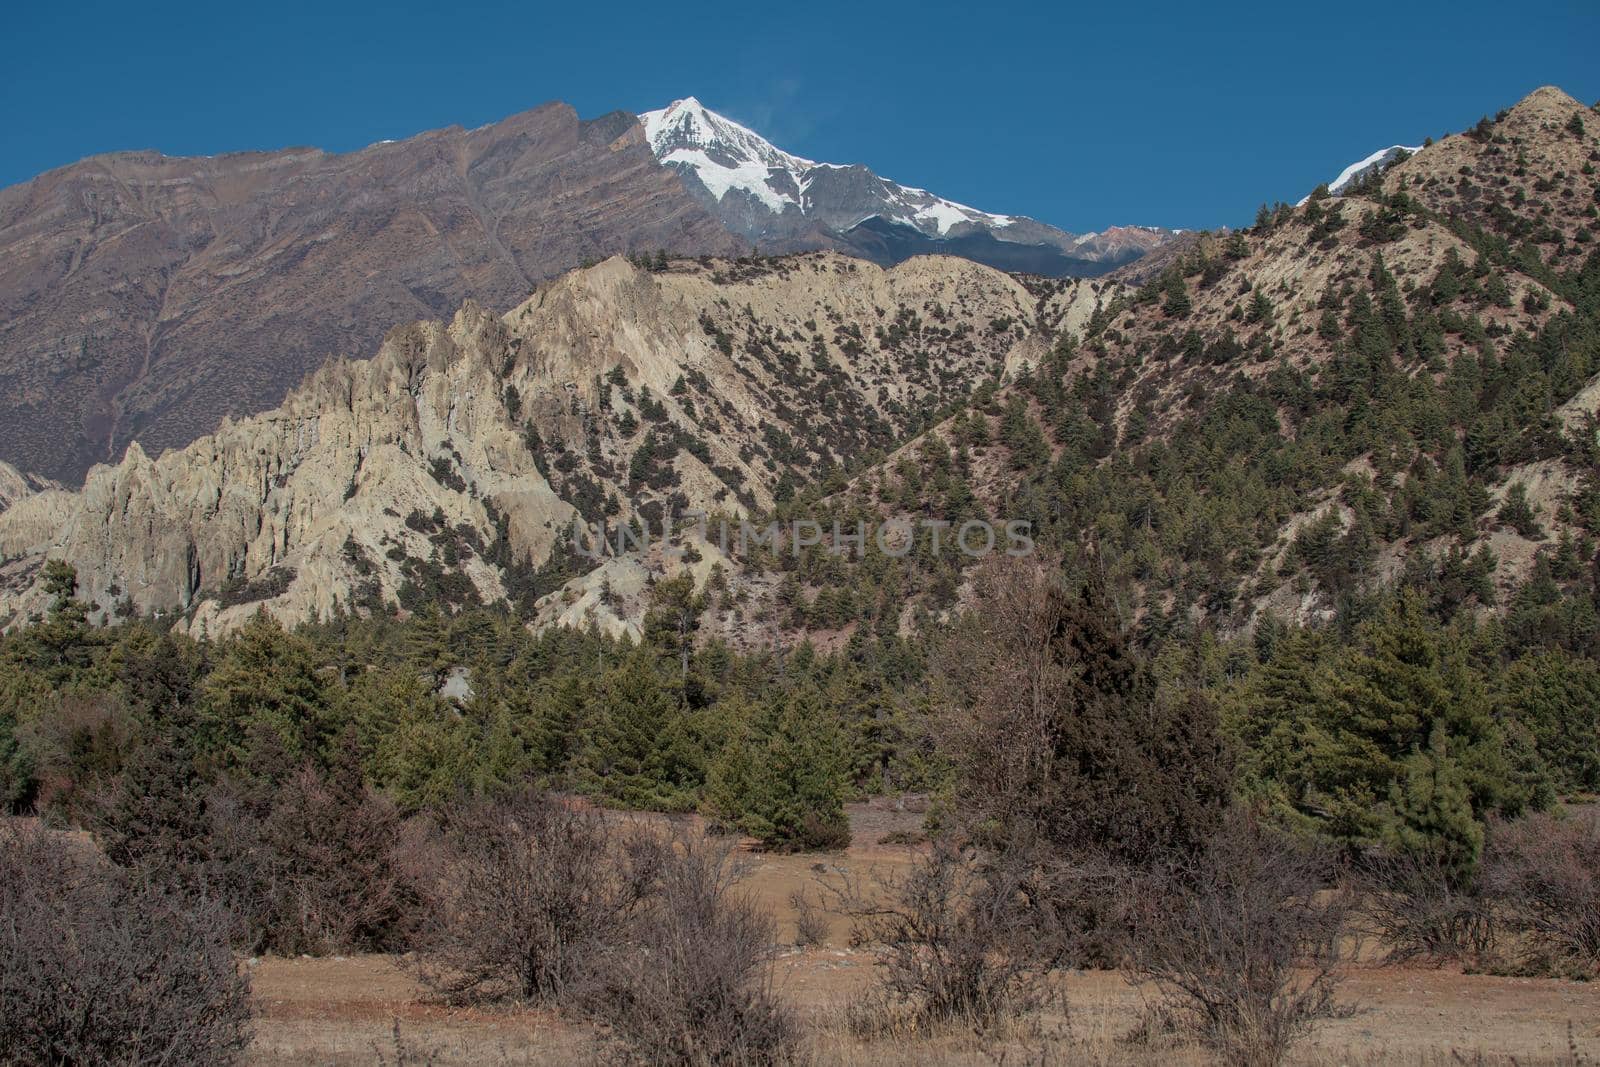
column 964, row 936
column 1052, row 713
column 692, row 982
column 1421, row 907
column 316, row 871
column 99, row 966
column 527, row 891
column 305, row 864
column 1243, row 939
column 811, row 923
column 1543, row 873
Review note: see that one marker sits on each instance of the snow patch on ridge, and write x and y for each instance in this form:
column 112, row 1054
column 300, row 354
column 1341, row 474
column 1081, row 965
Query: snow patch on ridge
column 1381, row 157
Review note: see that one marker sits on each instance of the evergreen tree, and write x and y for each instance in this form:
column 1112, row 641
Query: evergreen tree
column 674, row 618
column 1334, row 738
column 1177, row 304
column 1555, row 695
column 1517, row 513
column 266, row 693
column 633, row 752
column 783, row 780
column 1260, row 309
column 1432, row 810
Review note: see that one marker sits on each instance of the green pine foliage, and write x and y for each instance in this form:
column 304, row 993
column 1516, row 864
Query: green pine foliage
column 782, row 777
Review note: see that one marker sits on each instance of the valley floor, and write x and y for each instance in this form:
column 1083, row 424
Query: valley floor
column 368, row 1010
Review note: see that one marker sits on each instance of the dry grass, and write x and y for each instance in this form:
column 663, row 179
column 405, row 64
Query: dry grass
column 342, row 1011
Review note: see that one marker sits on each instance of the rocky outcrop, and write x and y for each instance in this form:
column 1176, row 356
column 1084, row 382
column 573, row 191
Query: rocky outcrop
column 454, row 462
column 14, row 485
column 307, row 505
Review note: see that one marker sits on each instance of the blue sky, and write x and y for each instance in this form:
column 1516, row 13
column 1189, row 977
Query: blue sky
column 1174, row 114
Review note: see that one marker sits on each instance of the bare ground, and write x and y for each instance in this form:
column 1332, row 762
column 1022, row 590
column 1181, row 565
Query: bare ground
column 368, row 1010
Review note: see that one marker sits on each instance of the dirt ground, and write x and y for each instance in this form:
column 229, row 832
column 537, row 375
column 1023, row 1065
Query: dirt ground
column 368, row 1010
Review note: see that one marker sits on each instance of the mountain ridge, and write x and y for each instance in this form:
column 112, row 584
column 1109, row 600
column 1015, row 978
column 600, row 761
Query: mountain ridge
column 782, row 201
column 452, row 461
column 145, row 296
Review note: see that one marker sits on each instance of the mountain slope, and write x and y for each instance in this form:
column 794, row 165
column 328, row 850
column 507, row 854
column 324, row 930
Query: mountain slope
column 1364, row 392
column 144, row 297
column 1527, row 177
column 450, row 466
column 781, row 201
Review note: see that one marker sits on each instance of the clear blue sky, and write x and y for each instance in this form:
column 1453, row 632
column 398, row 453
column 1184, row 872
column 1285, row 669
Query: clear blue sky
column 1084, row 115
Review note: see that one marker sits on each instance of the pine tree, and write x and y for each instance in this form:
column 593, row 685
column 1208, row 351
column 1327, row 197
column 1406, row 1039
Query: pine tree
column 1432, row 810
column 1177, row 304
column 425, row 754
column 266, row 692
column 1349, row 730
column 1555, row 696
column 783, row 780
column 1260, row 309
column 674, row 618
column 23, row 693
column 630, row 753
column 1517, row 513
column 157, row 812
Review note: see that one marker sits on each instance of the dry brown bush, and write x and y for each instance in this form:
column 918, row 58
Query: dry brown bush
column 691, row 981
column 1543, row 874
column 100, row 966
column 1243, row 940
column 811, row 924
column 306, row 863
column 963, row 936
column 314, row 871
column 1419, row 905
column 526, row 891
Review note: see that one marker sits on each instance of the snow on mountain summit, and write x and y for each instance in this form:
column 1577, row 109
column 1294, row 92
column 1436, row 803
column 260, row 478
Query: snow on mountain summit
column 723, row 154
column 726, row 156
column 783, row 201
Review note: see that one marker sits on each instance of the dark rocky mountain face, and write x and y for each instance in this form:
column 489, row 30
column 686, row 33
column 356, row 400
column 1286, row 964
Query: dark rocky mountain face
column 145, row 297
column 883, row 241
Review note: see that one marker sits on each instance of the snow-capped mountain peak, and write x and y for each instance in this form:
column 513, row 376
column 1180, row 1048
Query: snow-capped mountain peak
column 726, row 156
column 688, row 123
column 779, row 199
column 723, row 154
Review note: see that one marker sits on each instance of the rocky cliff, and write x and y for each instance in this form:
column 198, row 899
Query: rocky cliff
column 451, row 464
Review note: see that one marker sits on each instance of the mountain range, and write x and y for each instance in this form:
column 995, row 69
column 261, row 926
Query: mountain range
column 145, row 297
column 1353, row 386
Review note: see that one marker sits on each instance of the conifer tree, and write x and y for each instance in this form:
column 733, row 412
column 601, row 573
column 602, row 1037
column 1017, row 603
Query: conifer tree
column 1177, row 304
column 1432, row 810
column 265, row 691
column 1517, row 513
column 633, row 751
column 783, row 780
